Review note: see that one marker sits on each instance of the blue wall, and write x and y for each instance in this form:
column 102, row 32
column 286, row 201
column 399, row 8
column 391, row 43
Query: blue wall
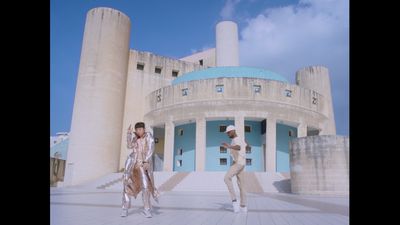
column 254, row 140
column 214, row 138
column 188, row 143
column 282, row 146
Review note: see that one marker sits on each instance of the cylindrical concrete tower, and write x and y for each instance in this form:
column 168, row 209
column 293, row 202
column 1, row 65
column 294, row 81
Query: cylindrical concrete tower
column 96, row 125
column 227, row 44
column 317, row 78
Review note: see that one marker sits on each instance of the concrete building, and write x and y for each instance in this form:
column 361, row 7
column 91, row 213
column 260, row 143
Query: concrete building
column 58, row 156
column 186, row 103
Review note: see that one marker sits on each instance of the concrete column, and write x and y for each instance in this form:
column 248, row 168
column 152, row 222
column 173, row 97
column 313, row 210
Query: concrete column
column 96, row 126
column 239, row 124
column 317, row 78
column 227, row 44
column 169, row 146
column 302, row 130
column 200, row 144
column 271, row 145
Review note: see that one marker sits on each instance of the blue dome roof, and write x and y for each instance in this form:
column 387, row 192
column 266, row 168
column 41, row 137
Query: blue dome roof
column 229, row 71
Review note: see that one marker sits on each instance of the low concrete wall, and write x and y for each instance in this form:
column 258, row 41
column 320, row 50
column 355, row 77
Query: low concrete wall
column 320, row 165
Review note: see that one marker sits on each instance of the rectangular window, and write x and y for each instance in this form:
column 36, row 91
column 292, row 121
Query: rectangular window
column 219, row 88
column 222, row 161
column 201, row 62
column 248, row 150
column 157, row 70
column 140, row 66
column 247, row 128
column 179, row 163
column 184, row 92
column 248, row 162
column 180, row 132
column 257, row 88
column 180, row 151
column 222, row 128
column 175, row 73
column 222, row 150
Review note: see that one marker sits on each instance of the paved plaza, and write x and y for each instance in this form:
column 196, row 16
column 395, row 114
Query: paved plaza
column 83, row 206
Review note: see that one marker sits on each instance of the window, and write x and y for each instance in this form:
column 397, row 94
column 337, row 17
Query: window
column 222, row 161
column 248, row 150
column 288, row 93
column 140, row 66
column 222, row 128
column 248, row 162
column 247, row 129
column 219, row 88
column 179, row 163
column 184, row 92
column 180, row 132
column 290, row 133
column 201, row 62
column 180, row 151
column 175, row 73
column 222, row 150
column 157, row 70
column 257, row 88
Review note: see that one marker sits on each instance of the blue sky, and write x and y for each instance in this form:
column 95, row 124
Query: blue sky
column 282, row 36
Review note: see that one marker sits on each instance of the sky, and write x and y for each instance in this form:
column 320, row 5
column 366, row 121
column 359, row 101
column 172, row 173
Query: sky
column 278, row 35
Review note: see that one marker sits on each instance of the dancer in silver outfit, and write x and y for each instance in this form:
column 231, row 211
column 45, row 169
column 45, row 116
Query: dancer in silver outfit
column 138, row 174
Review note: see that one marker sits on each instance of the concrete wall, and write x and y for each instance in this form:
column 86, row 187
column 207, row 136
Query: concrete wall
column 238, row 95
column 140, row 83
column 320, row 165
column 208, row 57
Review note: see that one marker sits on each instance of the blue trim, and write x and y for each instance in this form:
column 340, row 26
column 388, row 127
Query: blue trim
column 229, row 71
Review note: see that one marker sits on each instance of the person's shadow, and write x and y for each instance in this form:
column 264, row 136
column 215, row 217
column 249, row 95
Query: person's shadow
column 225, row 207
column 137, row 210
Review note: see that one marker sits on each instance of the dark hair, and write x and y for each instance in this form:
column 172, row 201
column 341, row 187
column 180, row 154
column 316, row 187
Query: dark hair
column 139, row 125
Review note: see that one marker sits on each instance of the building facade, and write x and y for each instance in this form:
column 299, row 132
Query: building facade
column 187, row 104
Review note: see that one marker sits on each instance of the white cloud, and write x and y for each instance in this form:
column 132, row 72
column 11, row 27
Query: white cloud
column 228, row 10
column 313, row 32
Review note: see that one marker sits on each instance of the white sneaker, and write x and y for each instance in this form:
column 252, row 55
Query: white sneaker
column 146, row 213
column 243, row 209
column 235, row 207
column 124, row 213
